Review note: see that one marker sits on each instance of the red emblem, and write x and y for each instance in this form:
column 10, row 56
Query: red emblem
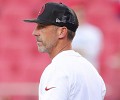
column 49, row 88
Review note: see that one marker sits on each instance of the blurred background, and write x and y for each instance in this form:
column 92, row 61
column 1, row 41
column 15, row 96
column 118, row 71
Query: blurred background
column 21, row 64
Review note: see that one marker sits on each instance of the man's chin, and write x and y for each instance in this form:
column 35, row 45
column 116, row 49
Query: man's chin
column 42, row 50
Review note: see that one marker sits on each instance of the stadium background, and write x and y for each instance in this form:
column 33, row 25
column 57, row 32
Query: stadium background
column 20, row 63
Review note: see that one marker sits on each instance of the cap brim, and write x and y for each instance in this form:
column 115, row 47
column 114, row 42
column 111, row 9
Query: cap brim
column 31, row 20
column 37, row 21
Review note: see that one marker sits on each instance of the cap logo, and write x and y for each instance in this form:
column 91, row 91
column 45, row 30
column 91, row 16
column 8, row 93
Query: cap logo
column 59, row 21
column 42, row 10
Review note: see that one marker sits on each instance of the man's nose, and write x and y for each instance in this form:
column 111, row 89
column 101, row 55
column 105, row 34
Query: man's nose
column 35, row 33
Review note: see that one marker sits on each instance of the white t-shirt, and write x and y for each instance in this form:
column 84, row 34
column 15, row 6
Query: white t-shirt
column 71, row 77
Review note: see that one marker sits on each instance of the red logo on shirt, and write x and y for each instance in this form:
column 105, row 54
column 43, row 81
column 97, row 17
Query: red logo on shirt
column 49, row 88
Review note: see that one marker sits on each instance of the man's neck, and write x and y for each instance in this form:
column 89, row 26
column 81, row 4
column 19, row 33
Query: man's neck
column 59, row 49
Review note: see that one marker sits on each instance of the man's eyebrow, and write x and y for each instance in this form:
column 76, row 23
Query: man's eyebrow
column 41, row 26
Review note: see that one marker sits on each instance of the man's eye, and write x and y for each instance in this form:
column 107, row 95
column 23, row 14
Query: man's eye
column 41, row 26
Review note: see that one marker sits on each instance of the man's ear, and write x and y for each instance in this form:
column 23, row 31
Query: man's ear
column 62, row 32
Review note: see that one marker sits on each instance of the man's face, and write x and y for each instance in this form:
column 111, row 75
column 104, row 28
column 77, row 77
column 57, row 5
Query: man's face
column 46, row 37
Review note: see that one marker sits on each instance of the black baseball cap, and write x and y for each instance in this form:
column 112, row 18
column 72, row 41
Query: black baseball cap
column 56, row 14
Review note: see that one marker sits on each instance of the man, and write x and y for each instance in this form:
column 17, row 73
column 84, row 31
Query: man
column 69, row 76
